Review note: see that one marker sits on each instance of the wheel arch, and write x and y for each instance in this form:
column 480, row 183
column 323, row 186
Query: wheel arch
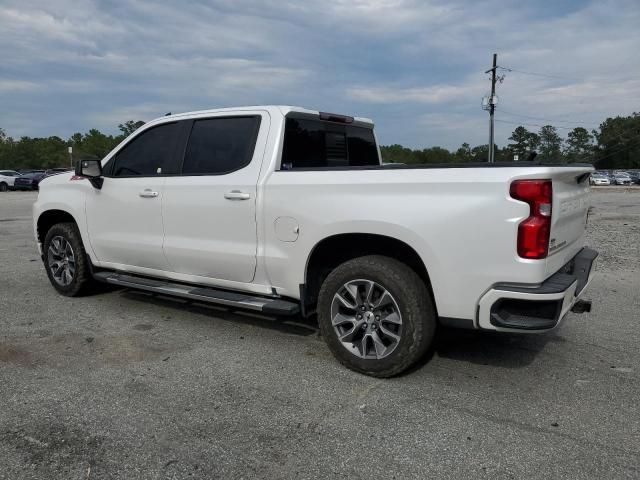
column 333, row 250
column 49, row 218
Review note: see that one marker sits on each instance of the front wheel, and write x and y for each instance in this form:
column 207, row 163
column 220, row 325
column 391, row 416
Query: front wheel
column 376, row 315
column 66, row 261
column 3, row 187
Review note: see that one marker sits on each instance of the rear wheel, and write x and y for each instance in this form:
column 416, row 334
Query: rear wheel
column 376, row 315
column 3, row 187
column 65, row 260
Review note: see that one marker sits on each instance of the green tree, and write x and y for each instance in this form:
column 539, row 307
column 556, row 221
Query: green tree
column 76, row 139
column 94, row 144
column 435, row 155
column 550, row 144
column 579, row 145
column 504, row 154
column 6, row 144
column 521, row 142
column 397, row 154
column 39, row 153
column 618, row 143
column 534, row 142
column 480, row 153
column 463, row 154
column 128, row 127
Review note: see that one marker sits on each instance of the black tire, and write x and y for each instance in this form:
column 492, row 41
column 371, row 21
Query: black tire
column 3, row 187
column 412, row 298
column 81, row 279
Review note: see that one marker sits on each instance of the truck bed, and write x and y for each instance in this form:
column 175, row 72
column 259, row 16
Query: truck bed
column 421, row 166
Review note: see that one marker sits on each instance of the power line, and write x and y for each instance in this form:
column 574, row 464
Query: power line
column 537, row 74
column 555, row 91
column 533, row 124
column 573, row 79
column 542, row 118
column 609, row 79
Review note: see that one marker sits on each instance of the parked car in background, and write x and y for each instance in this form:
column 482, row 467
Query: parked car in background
column 7, row 179
column 622, row 179
column 605, row 174
column 56, row 171
column 635, row 177
column 596, row 179
column 29, row 181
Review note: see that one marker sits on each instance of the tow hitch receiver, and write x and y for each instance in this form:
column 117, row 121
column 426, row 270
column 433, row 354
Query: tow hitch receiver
column 581, row 306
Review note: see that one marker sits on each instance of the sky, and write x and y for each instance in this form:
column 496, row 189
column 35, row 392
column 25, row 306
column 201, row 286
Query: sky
column 415, row 67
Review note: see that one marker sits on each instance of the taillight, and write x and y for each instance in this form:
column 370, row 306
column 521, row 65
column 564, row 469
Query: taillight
column 533, row 233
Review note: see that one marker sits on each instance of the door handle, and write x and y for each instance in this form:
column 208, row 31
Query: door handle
column 148, row 193
column 237, row 195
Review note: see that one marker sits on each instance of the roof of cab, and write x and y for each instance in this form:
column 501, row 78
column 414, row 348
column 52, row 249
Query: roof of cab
column 282, row 109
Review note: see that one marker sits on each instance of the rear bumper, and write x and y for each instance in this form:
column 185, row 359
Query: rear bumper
column 540, row 307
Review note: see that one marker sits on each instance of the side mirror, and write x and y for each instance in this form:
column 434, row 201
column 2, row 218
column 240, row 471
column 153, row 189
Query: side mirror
column 92, row 170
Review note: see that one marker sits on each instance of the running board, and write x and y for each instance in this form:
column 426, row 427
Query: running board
column 269, row 306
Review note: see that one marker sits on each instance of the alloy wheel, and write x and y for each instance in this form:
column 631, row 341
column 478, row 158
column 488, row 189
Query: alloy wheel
column 366, row 319
column 61, row 261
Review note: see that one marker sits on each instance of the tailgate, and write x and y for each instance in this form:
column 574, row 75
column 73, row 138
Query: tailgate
column 569, row 214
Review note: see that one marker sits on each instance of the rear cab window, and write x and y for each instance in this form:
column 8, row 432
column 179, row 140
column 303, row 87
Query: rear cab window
column 314, row 143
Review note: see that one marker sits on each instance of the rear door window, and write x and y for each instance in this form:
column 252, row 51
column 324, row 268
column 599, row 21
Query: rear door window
column 315, row 144
column 220, row 145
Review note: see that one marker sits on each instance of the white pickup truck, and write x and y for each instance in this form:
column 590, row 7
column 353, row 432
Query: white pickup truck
column 289, row 211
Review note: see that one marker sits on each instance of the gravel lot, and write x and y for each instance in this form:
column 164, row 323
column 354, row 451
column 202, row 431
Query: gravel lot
column 125, row 385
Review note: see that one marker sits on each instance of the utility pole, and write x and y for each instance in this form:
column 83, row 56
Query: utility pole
column 492, row 106
column 70, row 156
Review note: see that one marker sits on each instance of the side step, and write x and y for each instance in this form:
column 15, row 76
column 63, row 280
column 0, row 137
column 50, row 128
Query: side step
column 269, row 306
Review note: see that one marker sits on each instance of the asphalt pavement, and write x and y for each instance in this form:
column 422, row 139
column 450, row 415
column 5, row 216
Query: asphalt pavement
column 126, row 385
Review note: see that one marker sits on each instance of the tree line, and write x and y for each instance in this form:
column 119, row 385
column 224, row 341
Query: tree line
column 615, row 144
column 52, row 152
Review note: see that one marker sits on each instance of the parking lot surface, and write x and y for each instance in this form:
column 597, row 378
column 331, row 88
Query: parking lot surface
column 127, row 385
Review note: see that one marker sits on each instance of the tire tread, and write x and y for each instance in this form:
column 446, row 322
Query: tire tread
column 83, row 279
column 419, row 310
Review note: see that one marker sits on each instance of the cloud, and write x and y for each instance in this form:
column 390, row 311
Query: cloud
column 433, row 94
column 7, row 85
column 69, row 66
column 589, row 55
